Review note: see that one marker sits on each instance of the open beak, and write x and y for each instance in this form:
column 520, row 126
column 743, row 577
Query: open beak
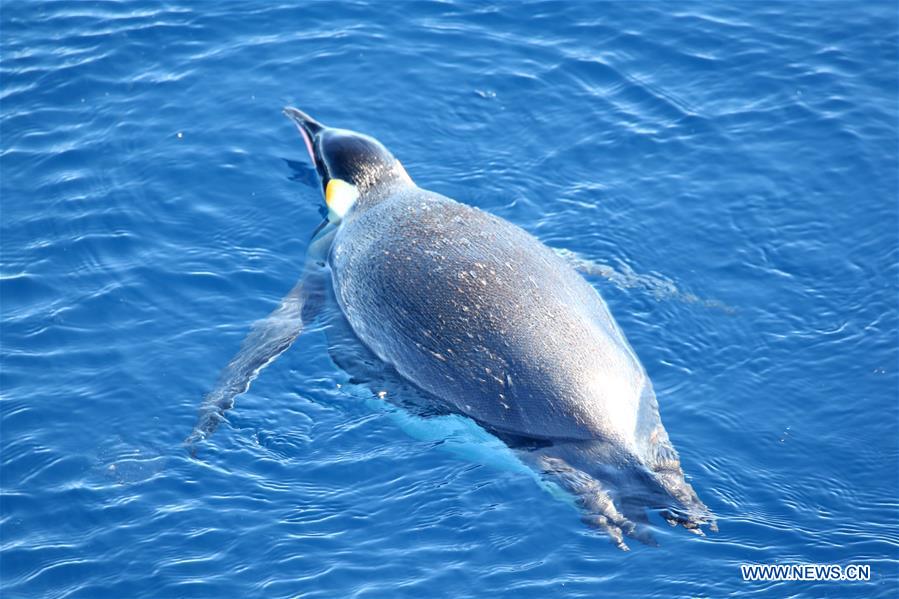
column 308, row 127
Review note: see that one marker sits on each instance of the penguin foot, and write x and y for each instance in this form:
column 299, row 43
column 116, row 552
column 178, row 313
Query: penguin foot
column 690, row 522
column 599, row 511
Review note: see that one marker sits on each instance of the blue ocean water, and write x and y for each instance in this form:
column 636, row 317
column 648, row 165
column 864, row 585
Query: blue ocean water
column 727, row 173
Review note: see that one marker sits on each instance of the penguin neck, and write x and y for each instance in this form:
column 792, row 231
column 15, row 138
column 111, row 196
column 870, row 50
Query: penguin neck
column 382, row 188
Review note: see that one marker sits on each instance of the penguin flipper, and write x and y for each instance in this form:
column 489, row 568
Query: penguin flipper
column 268, row 339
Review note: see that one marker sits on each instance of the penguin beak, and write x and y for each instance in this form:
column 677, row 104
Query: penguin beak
column 308, row 127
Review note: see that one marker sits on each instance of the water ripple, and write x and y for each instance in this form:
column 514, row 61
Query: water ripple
column 724, row 175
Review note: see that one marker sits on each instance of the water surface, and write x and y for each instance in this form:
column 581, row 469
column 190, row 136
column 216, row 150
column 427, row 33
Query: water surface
column 728, row 175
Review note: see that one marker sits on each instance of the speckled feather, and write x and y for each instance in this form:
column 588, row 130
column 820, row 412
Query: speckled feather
column 481, row 314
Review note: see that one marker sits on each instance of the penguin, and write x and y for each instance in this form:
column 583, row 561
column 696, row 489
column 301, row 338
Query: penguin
column 487, row 322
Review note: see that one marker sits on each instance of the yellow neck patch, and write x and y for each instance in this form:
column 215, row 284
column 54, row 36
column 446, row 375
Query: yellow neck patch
column 339, row 197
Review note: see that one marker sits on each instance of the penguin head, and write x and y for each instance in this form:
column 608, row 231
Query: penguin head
column 350, row 165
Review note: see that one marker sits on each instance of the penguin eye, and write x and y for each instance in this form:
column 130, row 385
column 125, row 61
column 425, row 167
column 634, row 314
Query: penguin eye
column 340, row 197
